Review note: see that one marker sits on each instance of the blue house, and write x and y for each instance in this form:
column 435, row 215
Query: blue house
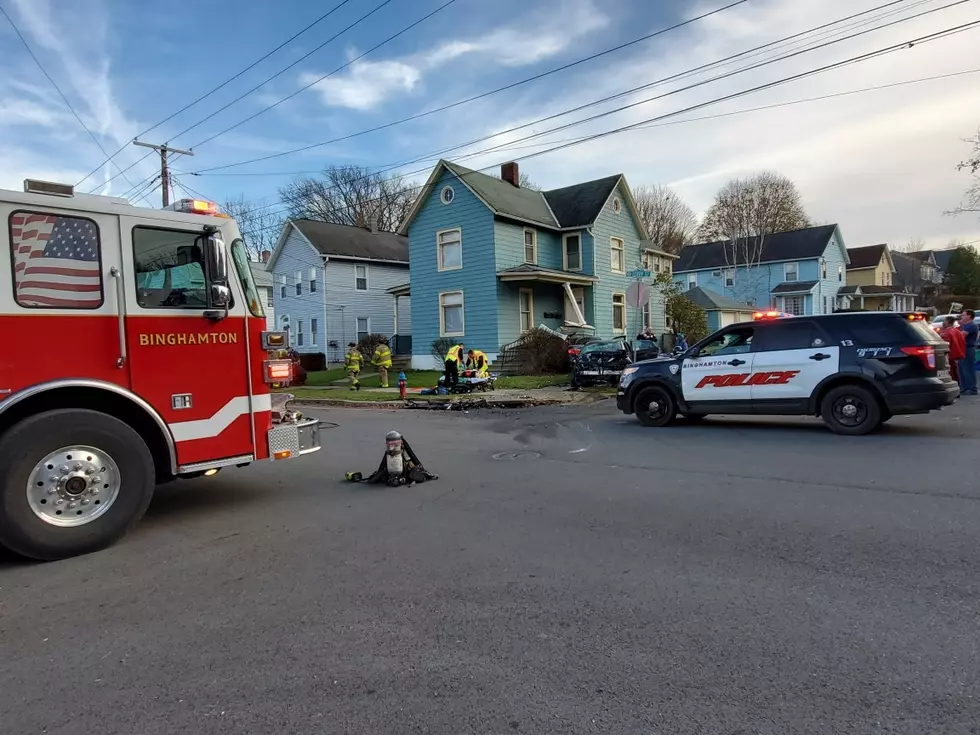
column 719, row 310
column 491, row 260
column 331, row 286
column 799, row 272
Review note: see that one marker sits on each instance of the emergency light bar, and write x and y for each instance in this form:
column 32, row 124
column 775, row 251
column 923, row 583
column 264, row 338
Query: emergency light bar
column 757, row 315
column 196, row 206
column 34, row 186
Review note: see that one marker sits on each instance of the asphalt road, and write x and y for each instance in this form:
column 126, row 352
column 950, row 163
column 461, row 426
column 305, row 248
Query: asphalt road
column 739, row 576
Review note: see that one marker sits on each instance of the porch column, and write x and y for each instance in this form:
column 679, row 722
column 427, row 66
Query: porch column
column 396, row 319
column 892, row 306
column 574, row 304
column 862, row 302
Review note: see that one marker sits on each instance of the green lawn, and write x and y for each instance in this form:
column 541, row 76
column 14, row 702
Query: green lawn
column 416, row 379
column 325, row 377
column 530, row 382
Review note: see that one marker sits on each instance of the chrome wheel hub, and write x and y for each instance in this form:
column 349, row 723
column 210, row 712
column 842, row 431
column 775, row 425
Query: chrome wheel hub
column 73, row 486
column 849, row 410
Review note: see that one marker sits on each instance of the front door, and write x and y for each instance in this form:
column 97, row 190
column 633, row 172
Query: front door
column 716, row 377
column 186, row 358
column 795, row 355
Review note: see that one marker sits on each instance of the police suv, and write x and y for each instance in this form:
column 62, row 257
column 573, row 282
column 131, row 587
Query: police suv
column 855, row 370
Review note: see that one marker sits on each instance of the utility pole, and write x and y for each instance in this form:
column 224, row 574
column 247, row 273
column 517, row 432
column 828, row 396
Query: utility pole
column 164, row 170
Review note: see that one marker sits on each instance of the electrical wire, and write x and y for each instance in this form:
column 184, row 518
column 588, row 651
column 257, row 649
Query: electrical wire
column 56, row 87
column 861, row 58
column 442, row 152
column 543, row 75
column 225, row 83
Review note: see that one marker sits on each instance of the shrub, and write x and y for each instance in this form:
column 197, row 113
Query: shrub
column 367, row 345
column 542, row 353
column 440, row 347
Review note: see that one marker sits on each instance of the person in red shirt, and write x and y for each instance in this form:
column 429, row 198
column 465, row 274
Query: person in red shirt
column 957, row 346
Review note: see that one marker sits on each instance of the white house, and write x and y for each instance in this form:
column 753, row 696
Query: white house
column 263, row 282
column 332, row 283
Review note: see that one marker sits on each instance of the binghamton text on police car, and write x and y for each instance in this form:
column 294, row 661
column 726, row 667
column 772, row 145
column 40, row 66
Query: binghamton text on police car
column 854, row 370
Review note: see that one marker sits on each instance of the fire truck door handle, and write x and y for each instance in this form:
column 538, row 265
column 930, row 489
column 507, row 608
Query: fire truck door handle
column 117, row 277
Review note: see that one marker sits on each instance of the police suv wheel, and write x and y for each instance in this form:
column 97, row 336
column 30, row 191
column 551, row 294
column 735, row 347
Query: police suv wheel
column 655, row 407
column 851, row 410
column 72, row 481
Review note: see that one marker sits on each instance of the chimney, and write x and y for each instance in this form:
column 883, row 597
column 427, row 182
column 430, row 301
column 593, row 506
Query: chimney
column 266, row 254
column 510, row 173
column 373, row 222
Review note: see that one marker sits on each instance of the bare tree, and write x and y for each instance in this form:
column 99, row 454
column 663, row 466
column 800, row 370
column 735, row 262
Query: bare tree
column 744, row 213
column 260, row 226
column 669, row 222
column 351, row 195
column 914, row 245
column 971, row 200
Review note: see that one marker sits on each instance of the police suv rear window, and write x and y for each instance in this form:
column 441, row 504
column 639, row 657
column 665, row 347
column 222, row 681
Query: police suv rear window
column 884, row 331
column 924, row 330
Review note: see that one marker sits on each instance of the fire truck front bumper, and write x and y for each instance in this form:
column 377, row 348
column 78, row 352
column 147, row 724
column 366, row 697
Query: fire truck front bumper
column 294, row 438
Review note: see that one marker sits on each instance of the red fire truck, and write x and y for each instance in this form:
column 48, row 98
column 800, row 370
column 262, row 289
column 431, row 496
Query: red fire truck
column 135, row 352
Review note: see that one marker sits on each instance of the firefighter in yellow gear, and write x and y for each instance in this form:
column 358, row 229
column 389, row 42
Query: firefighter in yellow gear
column 477, row 361
column 382, row 360
column 453, row 358
column 352, row 364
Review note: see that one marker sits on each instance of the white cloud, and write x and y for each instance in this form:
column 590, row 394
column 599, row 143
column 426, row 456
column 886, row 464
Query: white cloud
column 543, row 34
column 880, row 163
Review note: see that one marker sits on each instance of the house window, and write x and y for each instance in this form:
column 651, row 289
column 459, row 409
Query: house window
column 313, row 326
column 360, row 278
column 530, row 246
column 619, row 312
column 282, row 287
column 43, row 244
column 617, row 205
column 451, row 317
column 692, row 280
column 449, row 243
column 729, row 278
column 825, row 310
column 363, row 327
column 268, row 297
column 840, row 273
column 791, row 272
column 299, row 283
column 579, row 294
column 573, row 252
column 794, row 305
column 447, row 195
column 299, row 332
column 823, row 270
column 616, row 255
column 647, row 321
column 313, row 280
column 527, row 309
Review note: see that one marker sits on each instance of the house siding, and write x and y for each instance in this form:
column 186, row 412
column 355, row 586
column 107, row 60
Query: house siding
column 345, row 304
column 477, row 279
column 509, row 239
column 754, row 285
column 610, row 224
column 297, row 254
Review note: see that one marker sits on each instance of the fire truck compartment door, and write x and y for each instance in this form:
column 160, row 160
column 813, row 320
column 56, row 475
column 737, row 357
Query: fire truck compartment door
column 193, row 369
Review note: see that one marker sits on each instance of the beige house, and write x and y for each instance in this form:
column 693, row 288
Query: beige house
column 870, row 282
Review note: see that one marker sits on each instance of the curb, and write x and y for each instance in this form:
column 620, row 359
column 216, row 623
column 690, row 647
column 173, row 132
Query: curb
column 458, row 404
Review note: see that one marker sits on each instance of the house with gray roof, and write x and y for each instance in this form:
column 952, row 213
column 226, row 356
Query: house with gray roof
column 799, row 272
column 332, row 285
column 719, row 309
column 490, row 260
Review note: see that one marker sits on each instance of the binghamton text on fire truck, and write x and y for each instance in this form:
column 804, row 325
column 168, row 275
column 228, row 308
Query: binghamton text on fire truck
column 135, row 352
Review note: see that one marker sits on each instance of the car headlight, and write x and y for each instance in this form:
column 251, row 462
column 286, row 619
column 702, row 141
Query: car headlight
column 629, row 371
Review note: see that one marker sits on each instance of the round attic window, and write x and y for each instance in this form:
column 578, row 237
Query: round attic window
column 447, row 195
column 617, row 205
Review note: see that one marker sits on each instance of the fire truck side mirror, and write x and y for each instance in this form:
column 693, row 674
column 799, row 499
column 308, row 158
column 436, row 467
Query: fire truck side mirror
column 217, row 259
column 220, row 296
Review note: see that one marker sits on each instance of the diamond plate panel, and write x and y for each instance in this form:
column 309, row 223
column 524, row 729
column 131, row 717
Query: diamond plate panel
column 284, row 438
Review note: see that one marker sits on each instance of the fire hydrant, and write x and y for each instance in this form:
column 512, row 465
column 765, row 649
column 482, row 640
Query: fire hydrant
column 402, row 385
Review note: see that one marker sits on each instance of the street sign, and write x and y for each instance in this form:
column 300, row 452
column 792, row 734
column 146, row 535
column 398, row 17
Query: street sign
column 638, row 274
column 637, row 294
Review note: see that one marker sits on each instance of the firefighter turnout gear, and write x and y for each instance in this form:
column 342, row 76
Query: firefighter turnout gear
column 382, row 360
column 453, row 358
column 477, row 360
column 352, row 364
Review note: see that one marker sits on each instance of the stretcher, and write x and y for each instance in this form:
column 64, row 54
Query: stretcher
column 471, row 383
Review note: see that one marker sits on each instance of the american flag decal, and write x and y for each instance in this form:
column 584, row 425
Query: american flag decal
column 56, row 261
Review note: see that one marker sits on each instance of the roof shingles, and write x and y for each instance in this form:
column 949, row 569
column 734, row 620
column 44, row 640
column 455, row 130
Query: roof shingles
column 868, row 256
column 347, row 241
column 809, row 242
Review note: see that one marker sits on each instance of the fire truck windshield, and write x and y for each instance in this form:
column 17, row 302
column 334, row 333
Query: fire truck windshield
column 244, row 270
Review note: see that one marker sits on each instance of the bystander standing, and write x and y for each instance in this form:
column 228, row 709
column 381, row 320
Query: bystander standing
column 957, row 346
column 968, row 365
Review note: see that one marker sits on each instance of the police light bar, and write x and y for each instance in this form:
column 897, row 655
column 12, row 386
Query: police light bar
column 916, row 317
column 757, row 315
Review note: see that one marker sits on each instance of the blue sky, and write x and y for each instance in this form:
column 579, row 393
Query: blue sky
column 880, row 163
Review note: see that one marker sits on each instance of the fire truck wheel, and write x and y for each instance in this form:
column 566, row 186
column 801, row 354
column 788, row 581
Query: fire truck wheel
column 72, row 481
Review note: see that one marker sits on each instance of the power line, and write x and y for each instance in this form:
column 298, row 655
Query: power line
column 55, row 85
column 861, row 58
column 545, row 74
column 443, row 151
column 732, row 113
column 325, row 76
